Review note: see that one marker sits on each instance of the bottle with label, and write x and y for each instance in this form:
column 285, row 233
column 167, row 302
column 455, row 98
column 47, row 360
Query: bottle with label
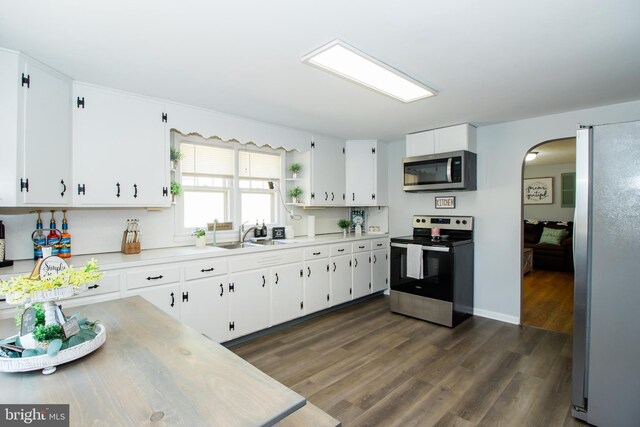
column 1, row 242
column 257, row 230
column 263, row 230
column 39, row 239
column 53, row 238
column 65, row 242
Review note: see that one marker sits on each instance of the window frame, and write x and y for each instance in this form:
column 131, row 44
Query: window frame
column 234, row 193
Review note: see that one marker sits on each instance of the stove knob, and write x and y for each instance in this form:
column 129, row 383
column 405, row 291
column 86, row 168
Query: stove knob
column 418, row 220
column 464, row 221
column 424, row 220
column 457, row 221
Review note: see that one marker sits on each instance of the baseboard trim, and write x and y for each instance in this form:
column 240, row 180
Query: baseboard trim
column 496, row 316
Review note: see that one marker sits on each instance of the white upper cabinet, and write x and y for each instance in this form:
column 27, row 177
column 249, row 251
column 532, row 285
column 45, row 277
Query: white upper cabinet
column 366, row 173
column 323, row 172
column 35, row 118
column 120, row 149
column 443, row 140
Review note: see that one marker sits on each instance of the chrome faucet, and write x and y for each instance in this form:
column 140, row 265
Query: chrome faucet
column 241, row 236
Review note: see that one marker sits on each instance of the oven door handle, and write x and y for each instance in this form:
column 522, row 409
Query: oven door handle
column 449, row 162
column 424, row 248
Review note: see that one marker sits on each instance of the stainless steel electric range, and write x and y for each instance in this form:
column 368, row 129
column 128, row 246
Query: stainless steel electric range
column 443, row 293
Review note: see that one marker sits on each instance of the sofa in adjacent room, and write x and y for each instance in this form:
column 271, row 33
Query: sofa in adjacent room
column 552, row 244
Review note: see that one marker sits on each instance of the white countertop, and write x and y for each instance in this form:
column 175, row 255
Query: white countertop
column 117, row 260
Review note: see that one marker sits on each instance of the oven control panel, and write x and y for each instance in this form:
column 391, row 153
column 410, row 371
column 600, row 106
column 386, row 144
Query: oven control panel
column 446, row 222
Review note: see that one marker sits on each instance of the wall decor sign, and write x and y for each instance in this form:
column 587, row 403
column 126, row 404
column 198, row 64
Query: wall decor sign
column 445, row 202
column 538, row 191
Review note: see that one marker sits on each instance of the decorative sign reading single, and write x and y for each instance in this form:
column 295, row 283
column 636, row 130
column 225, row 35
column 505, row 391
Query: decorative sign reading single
column 52, row 266
column 445, row 202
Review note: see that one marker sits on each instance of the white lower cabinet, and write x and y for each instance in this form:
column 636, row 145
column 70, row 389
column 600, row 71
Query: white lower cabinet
column 248, row 302
column 286, row 293
column 317, row 294
column 379, row 270
column 204, row 306
column 165, row 297
column 340, row 274
column 361, row 277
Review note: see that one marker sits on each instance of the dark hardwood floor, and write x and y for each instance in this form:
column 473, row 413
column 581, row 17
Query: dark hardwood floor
column 547, row 300
column 366, row 366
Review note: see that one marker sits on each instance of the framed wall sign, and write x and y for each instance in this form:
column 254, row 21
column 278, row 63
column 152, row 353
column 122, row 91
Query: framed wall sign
column 445, row 202
column 538, row 191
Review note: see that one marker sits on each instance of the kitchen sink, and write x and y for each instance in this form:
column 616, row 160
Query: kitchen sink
column 253, row 244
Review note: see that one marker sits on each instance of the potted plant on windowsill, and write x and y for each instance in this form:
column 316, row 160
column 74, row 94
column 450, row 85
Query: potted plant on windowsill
column 295, row 170
column 175, row 190
column 295, row 193
column 201, row 238
column 344, row 224
column 175, row 155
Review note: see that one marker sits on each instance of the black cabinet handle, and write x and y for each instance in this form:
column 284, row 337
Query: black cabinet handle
column 317, row 253
column 379, row 244
column 173, row 299
column 361, row 247
column 353, row 197
column 327, row 297
column 155, row 277
column 355, row 260
column 118, row 187
column 221, row 289
column 96, row 286
column 326, row 196
column 185, row 296
column 309, row 268
column 232, row 287
column 264, row 281
column 340, row 250
column 81, row 189
column 375, row 259
column 277, row 278
column 334, row 266
column 64, row 188
column 204, row 270
column 135, row 190
column 332, row 196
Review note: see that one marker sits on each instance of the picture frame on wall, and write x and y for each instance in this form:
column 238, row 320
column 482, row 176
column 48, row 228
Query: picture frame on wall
column 538, row 191
column 445, row 202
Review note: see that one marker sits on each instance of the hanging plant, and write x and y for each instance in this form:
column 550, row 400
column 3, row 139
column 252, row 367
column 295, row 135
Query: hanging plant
column 175, row 154
column 176, row 188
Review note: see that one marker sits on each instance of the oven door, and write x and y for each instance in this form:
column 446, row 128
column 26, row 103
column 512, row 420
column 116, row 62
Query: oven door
column 437, row 264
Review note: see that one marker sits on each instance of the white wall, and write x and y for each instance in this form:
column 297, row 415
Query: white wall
column 497, row 204
column 553, row 211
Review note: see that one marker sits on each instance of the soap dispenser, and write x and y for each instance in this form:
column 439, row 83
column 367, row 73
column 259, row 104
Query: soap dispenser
column 257, row 231
column 263, row 230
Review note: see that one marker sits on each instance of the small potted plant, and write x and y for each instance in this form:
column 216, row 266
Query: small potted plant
column 175, row 190
column 175, row 155
column 295, row 193
column 344, row 224
column 295, row 170
column 201, row 238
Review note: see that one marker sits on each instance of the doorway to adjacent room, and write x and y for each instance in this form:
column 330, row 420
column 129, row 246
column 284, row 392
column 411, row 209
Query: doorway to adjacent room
column 548, row 201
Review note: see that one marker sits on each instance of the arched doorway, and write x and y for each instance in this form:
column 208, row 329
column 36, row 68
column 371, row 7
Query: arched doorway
column 548, row 201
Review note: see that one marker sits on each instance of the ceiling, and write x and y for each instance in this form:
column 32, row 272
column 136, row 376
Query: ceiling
column 559, row 151
column 491, row 61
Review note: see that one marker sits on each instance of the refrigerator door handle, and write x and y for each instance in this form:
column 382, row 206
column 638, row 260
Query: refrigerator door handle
column 581, row 261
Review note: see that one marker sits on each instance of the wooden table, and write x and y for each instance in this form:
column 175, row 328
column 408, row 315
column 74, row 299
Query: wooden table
column 153, row 366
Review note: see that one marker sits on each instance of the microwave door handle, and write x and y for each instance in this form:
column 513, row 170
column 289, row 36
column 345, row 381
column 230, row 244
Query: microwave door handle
column 449, row 161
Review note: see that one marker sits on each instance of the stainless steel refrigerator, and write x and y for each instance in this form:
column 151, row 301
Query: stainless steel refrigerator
column 606, row 337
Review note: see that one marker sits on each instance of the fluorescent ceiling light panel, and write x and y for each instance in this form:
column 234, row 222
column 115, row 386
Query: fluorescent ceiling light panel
column 346, row 61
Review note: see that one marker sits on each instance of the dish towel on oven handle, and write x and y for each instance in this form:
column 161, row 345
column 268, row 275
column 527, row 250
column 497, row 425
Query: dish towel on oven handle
column 415, row 269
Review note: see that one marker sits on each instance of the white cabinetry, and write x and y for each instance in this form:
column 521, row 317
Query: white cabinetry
column 317, row 292
column 160, row 285
column 35, row 115
column 379, row 270
column 442, row 140
column 340, row 273
column 323, row 172
column 286, row 293
column 366, row 173
column 248, row 302
column 361, row 270
column 120, row 149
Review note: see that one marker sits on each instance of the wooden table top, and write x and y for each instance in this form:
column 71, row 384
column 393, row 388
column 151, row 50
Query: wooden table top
column 149, row 365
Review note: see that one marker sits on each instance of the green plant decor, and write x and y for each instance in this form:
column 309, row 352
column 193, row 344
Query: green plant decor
column 199, row 232
column 175, row 154
column 295, row 167
column 295, row 192
column 344, row 223
column 176, row 188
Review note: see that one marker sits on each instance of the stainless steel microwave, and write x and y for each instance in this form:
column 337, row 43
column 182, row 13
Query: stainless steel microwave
column 453, row 171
